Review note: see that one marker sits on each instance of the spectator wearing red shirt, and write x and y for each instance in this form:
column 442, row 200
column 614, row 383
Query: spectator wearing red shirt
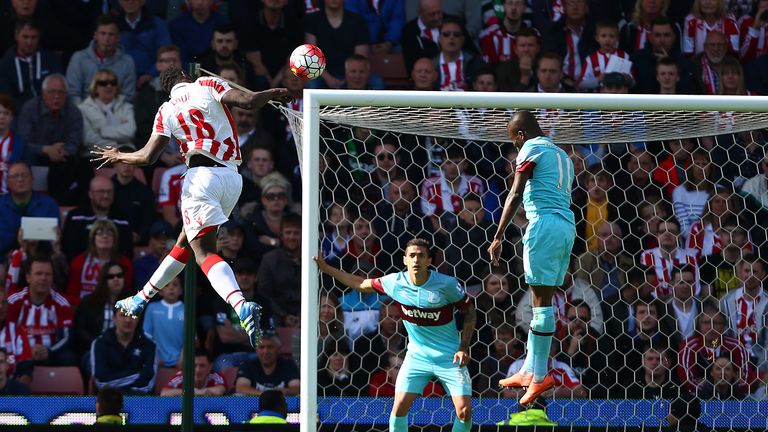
column 753, row 31
column 668, row 256
column 44, row 314
column 709, row 342
column 571, row 37
column 708, row 16
column 671, row 171
column 497, row 42
column 14, row 341
column 456, row 65
column 85, row 268
column 169, row 195
column 383, row 380
column 594, row 66
column 207, row 383
column 443, row 193
column 745, row 307
column 705, row 235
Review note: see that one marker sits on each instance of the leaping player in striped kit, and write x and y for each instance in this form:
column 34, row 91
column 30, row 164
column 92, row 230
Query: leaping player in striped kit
column 197, row 115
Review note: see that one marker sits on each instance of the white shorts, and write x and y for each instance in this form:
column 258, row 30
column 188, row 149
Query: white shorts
column 208, row 196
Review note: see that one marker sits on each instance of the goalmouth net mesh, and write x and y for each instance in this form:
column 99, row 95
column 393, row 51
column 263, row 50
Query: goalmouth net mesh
column 654, row 190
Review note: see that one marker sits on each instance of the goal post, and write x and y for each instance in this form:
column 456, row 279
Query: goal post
column 580, row 119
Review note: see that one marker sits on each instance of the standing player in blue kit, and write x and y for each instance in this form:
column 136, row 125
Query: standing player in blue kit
column 543, row 180
column 427, row 300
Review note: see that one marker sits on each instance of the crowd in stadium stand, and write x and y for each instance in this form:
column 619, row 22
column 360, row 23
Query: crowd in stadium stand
column 665, row 297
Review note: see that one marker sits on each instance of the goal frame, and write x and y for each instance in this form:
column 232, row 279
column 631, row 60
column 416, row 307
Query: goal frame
column 310, row 157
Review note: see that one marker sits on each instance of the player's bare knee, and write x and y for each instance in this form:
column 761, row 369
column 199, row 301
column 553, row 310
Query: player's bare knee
column 464, row 413
column 401, row 404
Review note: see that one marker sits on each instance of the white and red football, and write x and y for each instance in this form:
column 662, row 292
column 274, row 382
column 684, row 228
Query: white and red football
column 307, row 62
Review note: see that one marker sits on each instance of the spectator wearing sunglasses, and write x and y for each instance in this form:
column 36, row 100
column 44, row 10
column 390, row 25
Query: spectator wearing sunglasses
column 262, row 222
column 94, row 316
column 455, row 65
column 107, row 116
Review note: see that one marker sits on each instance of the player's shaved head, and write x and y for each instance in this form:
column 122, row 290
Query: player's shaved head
column 523, row 126
column 525, row 121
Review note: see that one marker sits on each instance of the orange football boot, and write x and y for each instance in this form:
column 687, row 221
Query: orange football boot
column 535, row 389
column 519, row 379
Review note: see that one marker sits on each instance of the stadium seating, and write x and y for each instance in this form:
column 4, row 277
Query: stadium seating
column 286, row 340
column 157, row 176
column 64, row 380
column 164, row 374
column 230, row 375
column 391, row 67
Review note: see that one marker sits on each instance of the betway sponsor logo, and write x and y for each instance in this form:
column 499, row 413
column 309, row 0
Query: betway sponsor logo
column 421, row 314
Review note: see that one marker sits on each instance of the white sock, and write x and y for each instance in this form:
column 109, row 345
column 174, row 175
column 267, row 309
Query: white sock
column 223, row 280
column 169, row 268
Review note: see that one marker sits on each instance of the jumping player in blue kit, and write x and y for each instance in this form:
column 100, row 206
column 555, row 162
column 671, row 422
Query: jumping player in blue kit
column 427, row 301
column 543, row 180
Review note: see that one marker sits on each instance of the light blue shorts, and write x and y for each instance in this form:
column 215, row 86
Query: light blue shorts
column 547, row 246
column 415, row 373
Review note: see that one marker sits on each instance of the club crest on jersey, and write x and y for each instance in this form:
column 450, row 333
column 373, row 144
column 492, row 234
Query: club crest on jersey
column 433, row 297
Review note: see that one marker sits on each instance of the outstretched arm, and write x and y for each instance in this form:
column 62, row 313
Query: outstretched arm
column 357, row 283
column 254, row 100
column 148, row 154
column 510, row 208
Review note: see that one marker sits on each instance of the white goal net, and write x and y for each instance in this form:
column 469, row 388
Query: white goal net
column 662, row 316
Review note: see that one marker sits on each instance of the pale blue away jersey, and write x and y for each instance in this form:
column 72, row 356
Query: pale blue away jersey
column 427, row 311
column 548, row 189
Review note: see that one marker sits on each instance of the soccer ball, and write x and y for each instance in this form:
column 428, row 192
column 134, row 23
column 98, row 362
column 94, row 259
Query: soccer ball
column 307, row 62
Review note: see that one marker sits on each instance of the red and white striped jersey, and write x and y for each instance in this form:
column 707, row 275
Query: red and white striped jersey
column 452, row 74
column 199, row 121
column 438, row 197
column 752, row 44
column 642, row 34
column 695, row 356
column 561, row 372
column 89, row 275
column 214, row 379
column 704, row 240
column 695, row 31
column 746, row 321
column 13, row 273
column 41, row 322
column 170, row 187
column 16, row 344
column 594, row 68
column 572, row 60
column 557, row 10
column 6, row 150
column 497, row 44
column 663, row 267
